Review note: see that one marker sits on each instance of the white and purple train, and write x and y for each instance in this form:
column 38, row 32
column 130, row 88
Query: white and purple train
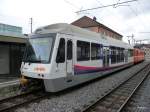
column 63, row 55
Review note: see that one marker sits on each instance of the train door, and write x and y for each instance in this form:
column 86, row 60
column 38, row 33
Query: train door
column 64, row 57
column 69, row 58
column 61, row 57
column 105, row 56
column 126, row 55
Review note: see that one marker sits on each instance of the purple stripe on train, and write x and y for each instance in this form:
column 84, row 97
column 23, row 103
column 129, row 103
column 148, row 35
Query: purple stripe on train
column 78, row 69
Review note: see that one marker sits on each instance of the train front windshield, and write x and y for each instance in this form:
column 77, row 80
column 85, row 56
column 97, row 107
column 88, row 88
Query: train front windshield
column 39, row 49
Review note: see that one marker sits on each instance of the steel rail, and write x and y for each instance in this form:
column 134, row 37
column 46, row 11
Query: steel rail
column 114, row 89
column 14, row 102
column 137, row 87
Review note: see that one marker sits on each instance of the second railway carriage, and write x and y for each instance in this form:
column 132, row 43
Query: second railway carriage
column 64, row 55
column 138, row 55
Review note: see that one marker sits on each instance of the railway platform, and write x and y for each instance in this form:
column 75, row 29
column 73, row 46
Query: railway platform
column 7, row 79
column 9, row 87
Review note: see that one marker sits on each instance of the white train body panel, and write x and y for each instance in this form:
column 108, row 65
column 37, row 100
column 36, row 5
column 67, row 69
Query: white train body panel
column 72, row 69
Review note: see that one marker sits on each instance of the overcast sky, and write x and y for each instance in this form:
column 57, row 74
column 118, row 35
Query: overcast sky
column 131, row 18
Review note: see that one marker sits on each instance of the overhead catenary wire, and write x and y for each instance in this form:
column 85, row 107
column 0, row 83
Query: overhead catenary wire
column 110, row 11
column 135, row 12
column 71, row 4
column 75, row 6
column 141, row 11
column 115, row 4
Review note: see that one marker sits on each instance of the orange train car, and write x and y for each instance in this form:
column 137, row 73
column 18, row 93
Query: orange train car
column 138, row 55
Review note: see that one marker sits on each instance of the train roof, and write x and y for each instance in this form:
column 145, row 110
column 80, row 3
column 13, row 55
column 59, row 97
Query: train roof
column 115, row 42
column 83, row 33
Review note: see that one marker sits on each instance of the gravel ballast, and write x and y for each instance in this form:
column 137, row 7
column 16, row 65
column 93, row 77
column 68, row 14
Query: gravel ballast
column 140, row 101
column 75, row 100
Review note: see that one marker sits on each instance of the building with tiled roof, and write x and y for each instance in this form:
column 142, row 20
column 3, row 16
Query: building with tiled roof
column 93, row 25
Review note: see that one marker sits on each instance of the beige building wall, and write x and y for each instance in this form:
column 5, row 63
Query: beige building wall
column 147, row 53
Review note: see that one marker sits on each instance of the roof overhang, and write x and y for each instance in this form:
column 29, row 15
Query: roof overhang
column 12, row 38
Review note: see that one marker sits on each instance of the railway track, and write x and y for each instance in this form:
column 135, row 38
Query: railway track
column 139, row 102
column 116, row 99
column 14, row 102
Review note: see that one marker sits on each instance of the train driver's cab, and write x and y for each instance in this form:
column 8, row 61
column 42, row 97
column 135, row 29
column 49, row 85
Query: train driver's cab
column 38, row 55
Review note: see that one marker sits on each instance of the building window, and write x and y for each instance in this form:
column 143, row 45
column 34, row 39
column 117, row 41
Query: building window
column 95, row 51
column 83, row 51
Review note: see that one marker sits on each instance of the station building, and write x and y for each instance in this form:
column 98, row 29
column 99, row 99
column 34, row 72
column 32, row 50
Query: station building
column 93, row 25
column 146, row 49
column 12, row 43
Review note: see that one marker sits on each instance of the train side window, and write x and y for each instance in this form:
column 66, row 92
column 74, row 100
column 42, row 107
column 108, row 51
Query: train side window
column 113, row 55
column 130, row 52
column 118, row 54
column 61, row 51
column 95, row 51
column 69, row 49
column 122, row 55
column 83, row 51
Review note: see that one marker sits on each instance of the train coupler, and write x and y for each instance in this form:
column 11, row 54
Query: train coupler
column 23, row 83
